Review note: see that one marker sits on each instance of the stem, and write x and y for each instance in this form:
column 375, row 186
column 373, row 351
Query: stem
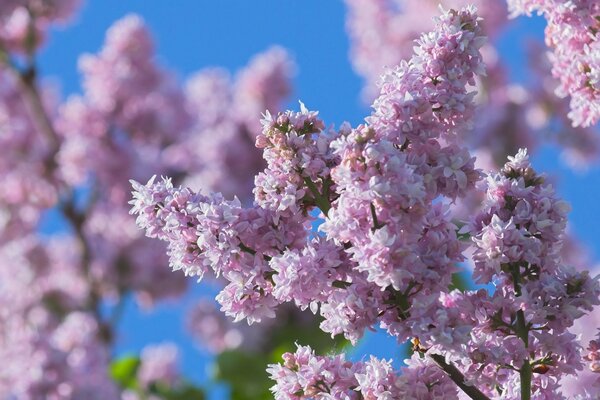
column 28, row 82
column 93, row 302
column 376, row 224
column 320, row 200
column 525, row 371
column 525, row 374
column 522, row 331
column 515, row 274
column 247, row 249
column 27, row 79
column 251, row 251
column 458, row 378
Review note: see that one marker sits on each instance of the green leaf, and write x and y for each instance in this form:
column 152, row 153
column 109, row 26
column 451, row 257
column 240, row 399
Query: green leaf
column 187, row 392
column 124, row 371
column 246, row 374
column 182, row 391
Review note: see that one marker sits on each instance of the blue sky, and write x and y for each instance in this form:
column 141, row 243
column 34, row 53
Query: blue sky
column 194, row 34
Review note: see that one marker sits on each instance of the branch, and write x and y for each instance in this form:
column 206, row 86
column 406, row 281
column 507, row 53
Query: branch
column 458, row 378
column 27, row 80
column 77, row 221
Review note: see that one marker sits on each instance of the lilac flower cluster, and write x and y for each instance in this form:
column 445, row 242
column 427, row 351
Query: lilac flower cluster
column 305, row 375
column 24, row 23
column 218, row 151
column 537, row 298
column 593, row 357
column 389, row 174
column 129, row 110
column 158, row 369
column 572, row 34
column 212, row 330
column 294, row 156
column 388, row 246
column 382, row 32
column 134, row 114
column 55, row 350
column 356, row 178
column 211, row 233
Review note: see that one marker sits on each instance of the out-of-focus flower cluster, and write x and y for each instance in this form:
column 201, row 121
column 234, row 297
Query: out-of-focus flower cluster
column 573, row 35
column 76, row 157
column 24, row 23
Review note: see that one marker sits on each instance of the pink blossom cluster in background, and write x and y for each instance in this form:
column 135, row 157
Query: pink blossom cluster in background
column 389, row 243
column 24, row 23
column 573, row 36
column 76, row 157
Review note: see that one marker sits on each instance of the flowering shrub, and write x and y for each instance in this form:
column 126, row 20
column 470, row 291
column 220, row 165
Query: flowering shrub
column 329, row 233
column 388, row 244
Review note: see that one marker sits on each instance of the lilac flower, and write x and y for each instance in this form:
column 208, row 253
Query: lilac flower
column 572, row 34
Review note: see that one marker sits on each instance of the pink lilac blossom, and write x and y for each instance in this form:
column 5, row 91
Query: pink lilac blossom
column 263, row 269
column 27, row 187
column 159, row 364
column 305, row 375
column 572, row 35
column 158, row 368
column 430, row 95
column 390, row 246
column 24, row 23
column 583, row 382
column 389, row 176
column 212, row 330
column 537, row 298
column 382, row 31
column 130, row 109
column 211, row 233
column 593, row 357
column 580, row 144
column 293, row 155
column 56, row 351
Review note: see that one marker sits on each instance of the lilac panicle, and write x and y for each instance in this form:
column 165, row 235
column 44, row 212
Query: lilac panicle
column 573, row 36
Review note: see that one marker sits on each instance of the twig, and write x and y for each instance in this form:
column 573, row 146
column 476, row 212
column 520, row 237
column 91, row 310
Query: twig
column 458, row 378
